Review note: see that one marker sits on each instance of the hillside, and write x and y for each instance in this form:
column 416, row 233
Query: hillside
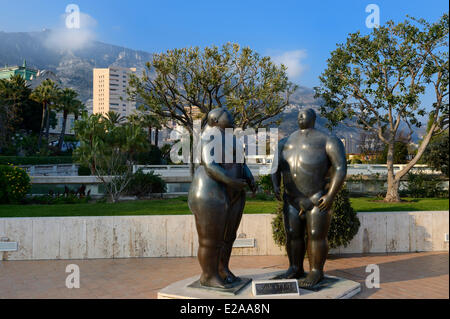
column 74, row 69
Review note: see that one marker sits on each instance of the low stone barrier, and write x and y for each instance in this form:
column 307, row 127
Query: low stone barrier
column 175, row 235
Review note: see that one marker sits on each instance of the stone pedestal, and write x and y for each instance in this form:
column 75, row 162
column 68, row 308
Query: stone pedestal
column 336, row 288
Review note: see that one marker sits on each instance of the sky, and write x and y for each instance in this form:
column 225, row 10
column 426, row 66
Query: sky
column 300, row 34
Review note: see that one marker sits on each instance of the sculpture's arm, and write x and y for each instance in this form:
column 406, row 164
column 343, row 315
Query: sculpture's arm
column 276, row 176
column 249, row 178
column 218, row 173
column 336, row 153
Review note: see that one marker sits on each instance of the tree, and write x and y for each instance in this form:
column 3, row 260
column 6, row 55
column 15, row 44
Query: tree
column 252, row 87
column 437, row 154
column 400, row 153
column 67, row 104
column 249, row 85
column 376, row 82
column 14, row 94
column 107, row 148
column 370, row 145
column 45, row 94
column 114, row 118
column 151, row 121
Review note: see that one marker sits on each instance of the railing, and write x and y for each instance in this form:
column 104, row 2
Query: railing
column 51, row 170
column 184, row 170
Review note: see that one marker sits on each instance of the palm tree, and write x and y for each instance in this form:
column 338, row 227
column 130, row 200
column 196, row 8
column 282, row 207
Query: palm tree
column 45, row 94
column 134, row 118
column 67, row 104
column 114, row 118
column 151, row 121
column 79, row 109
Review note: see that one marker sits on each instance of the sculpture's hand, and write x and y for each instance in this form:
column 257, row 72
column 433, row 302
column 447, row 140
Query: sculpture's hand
column 251, row 183
column 238, row 183
column 277, row 192
column 325, row 202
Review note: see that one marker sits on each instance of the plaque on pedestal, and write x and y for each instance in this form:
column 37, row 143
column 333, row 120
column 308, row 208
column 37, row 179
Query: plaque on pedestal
column 268, row 288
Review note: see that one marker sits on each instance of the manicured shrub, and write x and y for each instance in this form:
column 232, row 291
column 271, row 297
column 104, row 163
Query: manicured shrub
column 152, row 156
column 265, row 183
column 278, row 232
column 14, row 184
column 56, row 199
column 84, row 171
column 421, row 185
column 35, row 160
column 262, row 196
column 143, row 184
column 356, row 161
column 344, row 222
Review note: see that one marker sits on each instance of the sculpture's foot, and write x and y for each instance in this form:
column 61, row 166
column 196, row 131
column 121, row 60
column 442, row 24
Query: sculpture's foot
column 229, row 277
column 291, row 273
column 312, row 279
column 232, row 279
column 214, row 282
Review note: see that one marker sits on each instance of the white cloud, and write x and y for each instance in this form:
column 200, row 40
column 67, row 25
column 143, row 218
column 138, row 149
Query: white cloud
column 63, row 38
column 293, row 61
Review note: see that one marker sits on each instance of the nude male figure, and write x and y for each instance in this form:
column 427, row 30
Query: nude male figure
column 313, row 166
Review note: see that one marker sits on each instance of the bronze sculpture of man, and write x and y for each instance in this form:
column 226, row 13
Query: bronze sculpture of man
column 217, row 198
column 305, row 161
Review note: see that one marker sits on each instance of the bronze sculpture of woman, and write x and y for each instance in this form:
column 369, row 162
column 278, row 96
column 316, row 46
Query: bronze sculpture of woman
column 217, row 198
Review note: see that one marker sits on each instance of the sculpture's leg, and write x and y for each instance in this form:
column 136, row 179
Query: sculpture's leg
column 235, row 216
column 295, row 241
column 317, row 224
column 210, row 223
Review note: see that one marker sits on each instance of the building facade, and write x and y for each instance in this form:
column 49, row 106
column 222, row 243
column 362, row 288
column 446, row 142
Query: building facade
column 109, row 91
column 27, row 73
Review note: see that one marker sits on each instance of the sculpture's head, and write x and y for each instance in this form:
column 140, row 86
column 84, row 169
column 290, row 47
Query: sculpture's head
column 220, row 117
column 306, row 118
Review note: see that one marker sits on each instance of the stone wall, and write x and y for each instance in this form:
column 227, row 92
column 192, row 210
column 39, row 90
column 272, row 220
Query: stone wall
column 175, row 235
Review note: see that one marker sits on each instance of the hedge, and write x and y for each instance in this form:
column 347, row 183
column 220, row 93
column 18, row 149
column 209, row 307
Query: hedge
column 35, row 160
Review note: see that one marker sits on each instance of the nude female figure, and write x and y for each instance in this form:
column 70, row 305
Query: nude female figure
column 217, row 198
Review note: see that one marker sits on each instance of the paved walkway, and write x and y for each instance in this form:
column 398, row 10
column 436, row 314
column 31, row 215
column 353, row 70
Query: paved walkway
column 411, row 275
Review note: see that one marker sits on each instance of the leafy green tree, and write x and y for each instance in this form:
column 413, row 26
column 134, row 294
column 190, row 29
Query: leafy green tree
column 253, row 87
column 165, row 153
column 108, row 148
column 14, row 94
column 400, row 153
column 377, row 80
column 45, row 94
column 437, row 154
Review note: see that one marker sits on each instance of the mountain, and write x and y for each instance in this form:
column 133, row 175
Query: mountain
column 303, row 97
column 73, row 67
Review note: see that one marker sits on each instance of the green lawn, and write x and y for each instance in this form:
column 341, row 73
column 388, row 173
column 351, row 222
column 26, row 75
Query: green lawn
column 178, row 206
column 363, row 204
